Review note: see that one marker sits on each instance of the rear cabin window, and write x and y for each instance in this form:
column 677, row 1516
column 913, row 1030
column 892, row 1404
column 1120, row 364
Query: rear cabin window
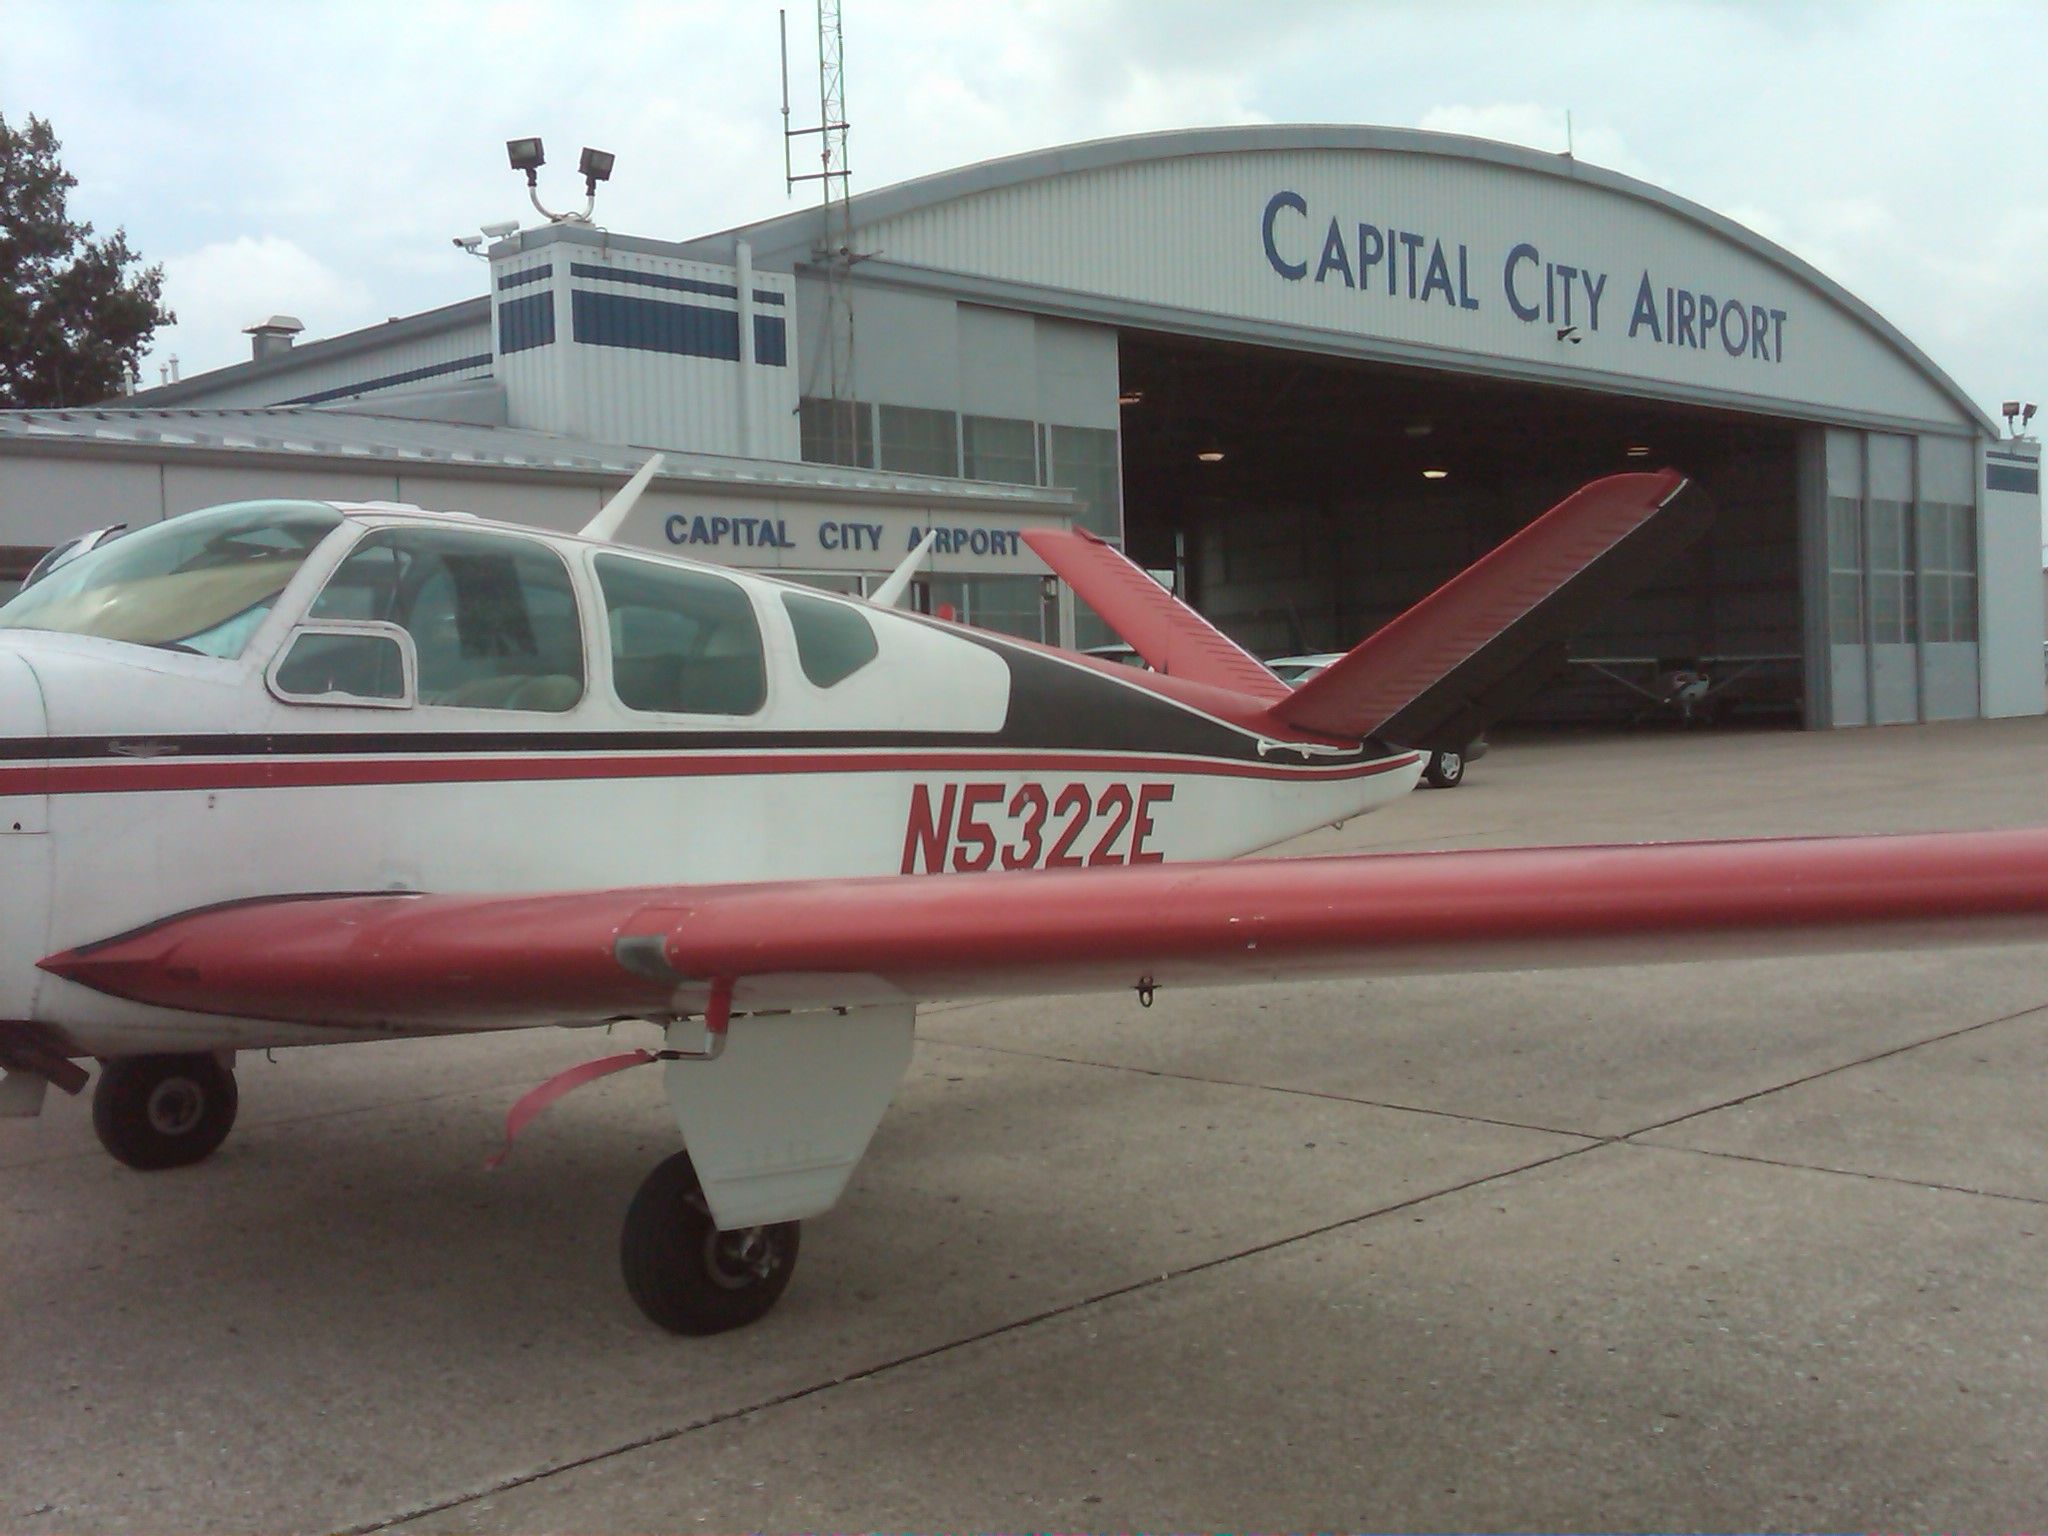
column 833, row 640
column 493, row 618
column 683, row 641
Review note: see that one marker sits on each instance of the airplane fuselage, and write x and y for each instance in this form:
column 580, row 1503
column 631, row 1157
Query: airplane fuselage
column 137, row 781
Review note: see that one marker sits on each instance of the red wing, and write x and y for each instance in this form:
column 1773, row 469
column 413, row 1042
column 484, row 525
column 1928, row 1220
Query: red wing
column 1176, row 640
column 488, row 961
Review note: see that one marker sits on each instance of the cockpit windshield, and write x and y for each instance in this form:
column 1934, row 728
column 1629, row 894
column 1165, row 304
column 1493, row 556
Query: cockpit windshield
column 201, row 583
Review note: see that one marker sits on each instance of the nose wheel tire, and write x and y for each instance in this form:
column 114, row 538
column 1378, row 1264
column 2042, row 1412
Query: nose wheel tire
column 1446, row 770
column 688, row 1276
column 164, row 1111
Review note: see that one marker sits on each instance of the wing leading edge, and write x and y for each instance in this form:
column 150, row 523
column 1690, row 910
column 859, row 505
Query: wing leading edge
column 477, row 962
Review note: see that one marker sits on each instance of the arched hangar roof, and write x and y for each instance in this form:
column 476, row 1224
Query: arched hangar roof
column 1164, row 230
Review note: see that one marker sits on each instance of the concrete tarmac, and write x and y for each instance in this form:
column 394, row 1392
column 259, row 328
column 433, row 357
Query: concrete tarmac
column 1758, row 1244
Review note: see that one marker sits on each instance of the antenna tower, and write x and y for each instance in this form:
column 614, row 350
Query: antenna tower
column 834, row 249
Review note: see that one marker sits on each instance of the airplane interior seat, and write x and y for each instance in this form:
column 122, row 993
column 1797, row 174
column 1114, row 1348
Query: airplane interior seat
column 666, row 683
column 549, row 693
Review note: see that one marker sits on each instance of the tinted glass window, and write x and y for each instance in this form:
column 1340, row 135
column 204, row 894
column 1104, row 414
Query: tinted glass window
column 833, row 640
column 492, row 617
column 683, row 641
column 322, row 666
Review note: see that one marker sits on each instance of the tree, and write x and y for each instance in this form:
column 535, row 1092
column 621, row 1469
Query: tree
column 74, row 320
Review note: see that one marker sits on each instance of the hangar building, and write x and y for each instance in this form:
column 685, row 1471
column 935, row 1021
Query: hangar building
column 1307, row 371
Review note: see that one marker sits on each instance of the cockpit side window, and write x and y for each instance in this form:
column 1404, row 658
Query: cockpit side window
column 492, row 617
column 201, row 583
column 683, row 641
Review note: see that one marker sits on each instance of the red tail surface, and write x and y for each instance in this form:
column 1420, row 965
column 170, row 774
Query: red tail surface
column 1172, row 637
column 1435, row 675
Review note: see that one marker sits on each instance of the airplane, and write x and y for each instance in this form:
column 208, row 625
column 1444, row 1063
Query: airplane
column 294, row 772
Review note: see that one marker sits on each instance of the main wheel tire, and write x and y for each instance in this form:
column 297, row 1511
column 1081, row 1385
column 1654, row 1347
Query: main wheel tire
column 688, row 1276
column 1446, row 770
column 164, row 1111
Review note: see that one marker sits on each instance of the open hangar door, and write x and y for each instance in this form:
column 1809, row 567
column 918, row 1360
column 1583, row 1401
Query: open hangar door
column 1304, row 500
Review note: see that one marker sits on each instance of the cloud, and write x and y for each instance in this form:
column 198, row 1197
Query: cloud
column 219, row 289
column 1883, row 140
column 1537, row 127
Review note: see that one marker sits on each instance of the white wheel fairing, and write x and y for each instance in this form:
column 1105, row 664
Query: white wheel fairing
column 777, row 1122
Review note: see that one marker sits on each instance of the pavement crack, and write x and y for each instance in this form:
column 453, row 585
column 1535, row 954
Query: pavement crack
column 881, row 1368
column 1824, row 1072
column 1796, row 1166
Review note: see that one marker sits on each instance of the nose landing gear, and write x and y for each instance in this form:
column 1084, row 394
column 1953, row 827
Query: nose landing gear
column 164, row 1111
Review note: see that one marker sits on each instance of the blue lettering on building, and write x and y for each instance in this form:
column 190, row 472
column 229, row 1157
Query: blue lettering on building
column 1683, row 317
column 1293, row 271
column 969, row 541
column 1539, row 288
column 685, row 529
column 728, row 532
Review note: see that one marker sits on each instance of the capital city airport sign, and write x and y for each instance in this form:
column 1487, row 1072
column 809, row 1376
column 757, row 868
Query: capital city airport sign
column 1404, row 266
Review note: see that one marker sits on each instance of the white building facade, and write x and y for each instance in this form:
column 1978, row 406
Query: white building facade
column 1308, row 370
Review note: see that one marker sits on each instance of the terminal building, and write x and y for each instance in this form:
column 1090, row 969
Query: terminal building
column 1302, row 373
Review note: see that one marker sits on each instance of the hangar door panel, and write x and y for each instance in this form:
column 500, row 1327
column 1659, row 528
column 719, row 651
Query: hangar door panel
column 1945, row 538
column 1903, row 578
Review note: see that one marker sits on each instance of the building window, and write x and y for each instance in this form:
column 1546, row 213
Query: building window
column 1845, row 570
column 1000, row 448
column 837, row 431
column 1894, row 618
column 1009, row 605
column 919, row 442
column 16, row 561
column 1948, row 572
column 1084, row 461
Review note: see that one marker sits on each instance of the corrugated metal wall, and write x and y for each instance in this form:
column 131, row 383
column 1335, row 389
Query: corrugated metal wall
column 626, row 346
column 1191, row 234
column 446, row 357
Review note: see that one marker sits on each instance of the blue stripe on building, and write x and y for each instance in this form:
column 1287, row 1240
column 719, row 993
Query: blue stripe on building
column 527, row 322
column 392, row 380
column 2024, row 478
column 651, row 325
column 529, row 275
column 663, row 280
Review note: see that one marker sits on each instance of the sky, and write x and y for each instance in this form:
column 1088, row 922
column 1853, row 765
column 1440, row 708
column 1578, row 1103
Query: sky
column 316, row 157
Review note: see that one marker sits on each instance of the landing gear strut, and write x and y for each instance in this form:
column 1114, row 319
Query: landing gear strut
column 684, row 1273
column 164, row 1111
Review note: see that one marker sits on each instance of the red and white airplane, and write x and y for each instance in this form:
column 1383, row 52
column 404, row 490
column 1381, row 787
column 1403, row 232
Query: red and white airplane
column 293, row 772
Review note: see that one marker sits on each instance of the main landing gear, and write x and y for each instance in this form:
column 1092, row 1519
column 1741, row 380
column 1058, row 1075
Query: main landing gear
column 164, row 1111
column 684, row 1273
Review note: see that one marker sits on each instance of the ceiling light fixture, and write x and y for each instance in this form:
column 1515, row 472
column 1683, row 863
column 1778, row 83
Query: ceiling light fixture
column 1130, row 397
column 1639, row 450
column 1211, row 455
column 1435, row 474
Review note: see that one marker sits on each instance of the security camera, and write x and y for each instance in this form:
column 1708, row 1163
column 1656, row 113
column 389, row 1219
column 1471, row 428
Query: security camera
column 501, row 229
column 2026, row 413
column 468, row 243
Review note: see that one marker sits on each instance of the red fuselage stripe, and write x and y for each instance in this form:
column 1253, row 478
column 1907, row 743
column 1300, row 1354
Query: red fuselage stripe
column 61, row 778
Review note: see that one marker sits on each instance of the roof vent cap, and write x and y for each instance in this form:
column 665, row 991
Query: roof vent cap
column 273, row 337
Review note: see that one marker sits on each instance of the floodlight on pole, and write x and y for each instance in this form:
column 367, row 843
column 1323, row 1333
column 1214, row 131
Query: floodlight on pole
column 595, row 165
